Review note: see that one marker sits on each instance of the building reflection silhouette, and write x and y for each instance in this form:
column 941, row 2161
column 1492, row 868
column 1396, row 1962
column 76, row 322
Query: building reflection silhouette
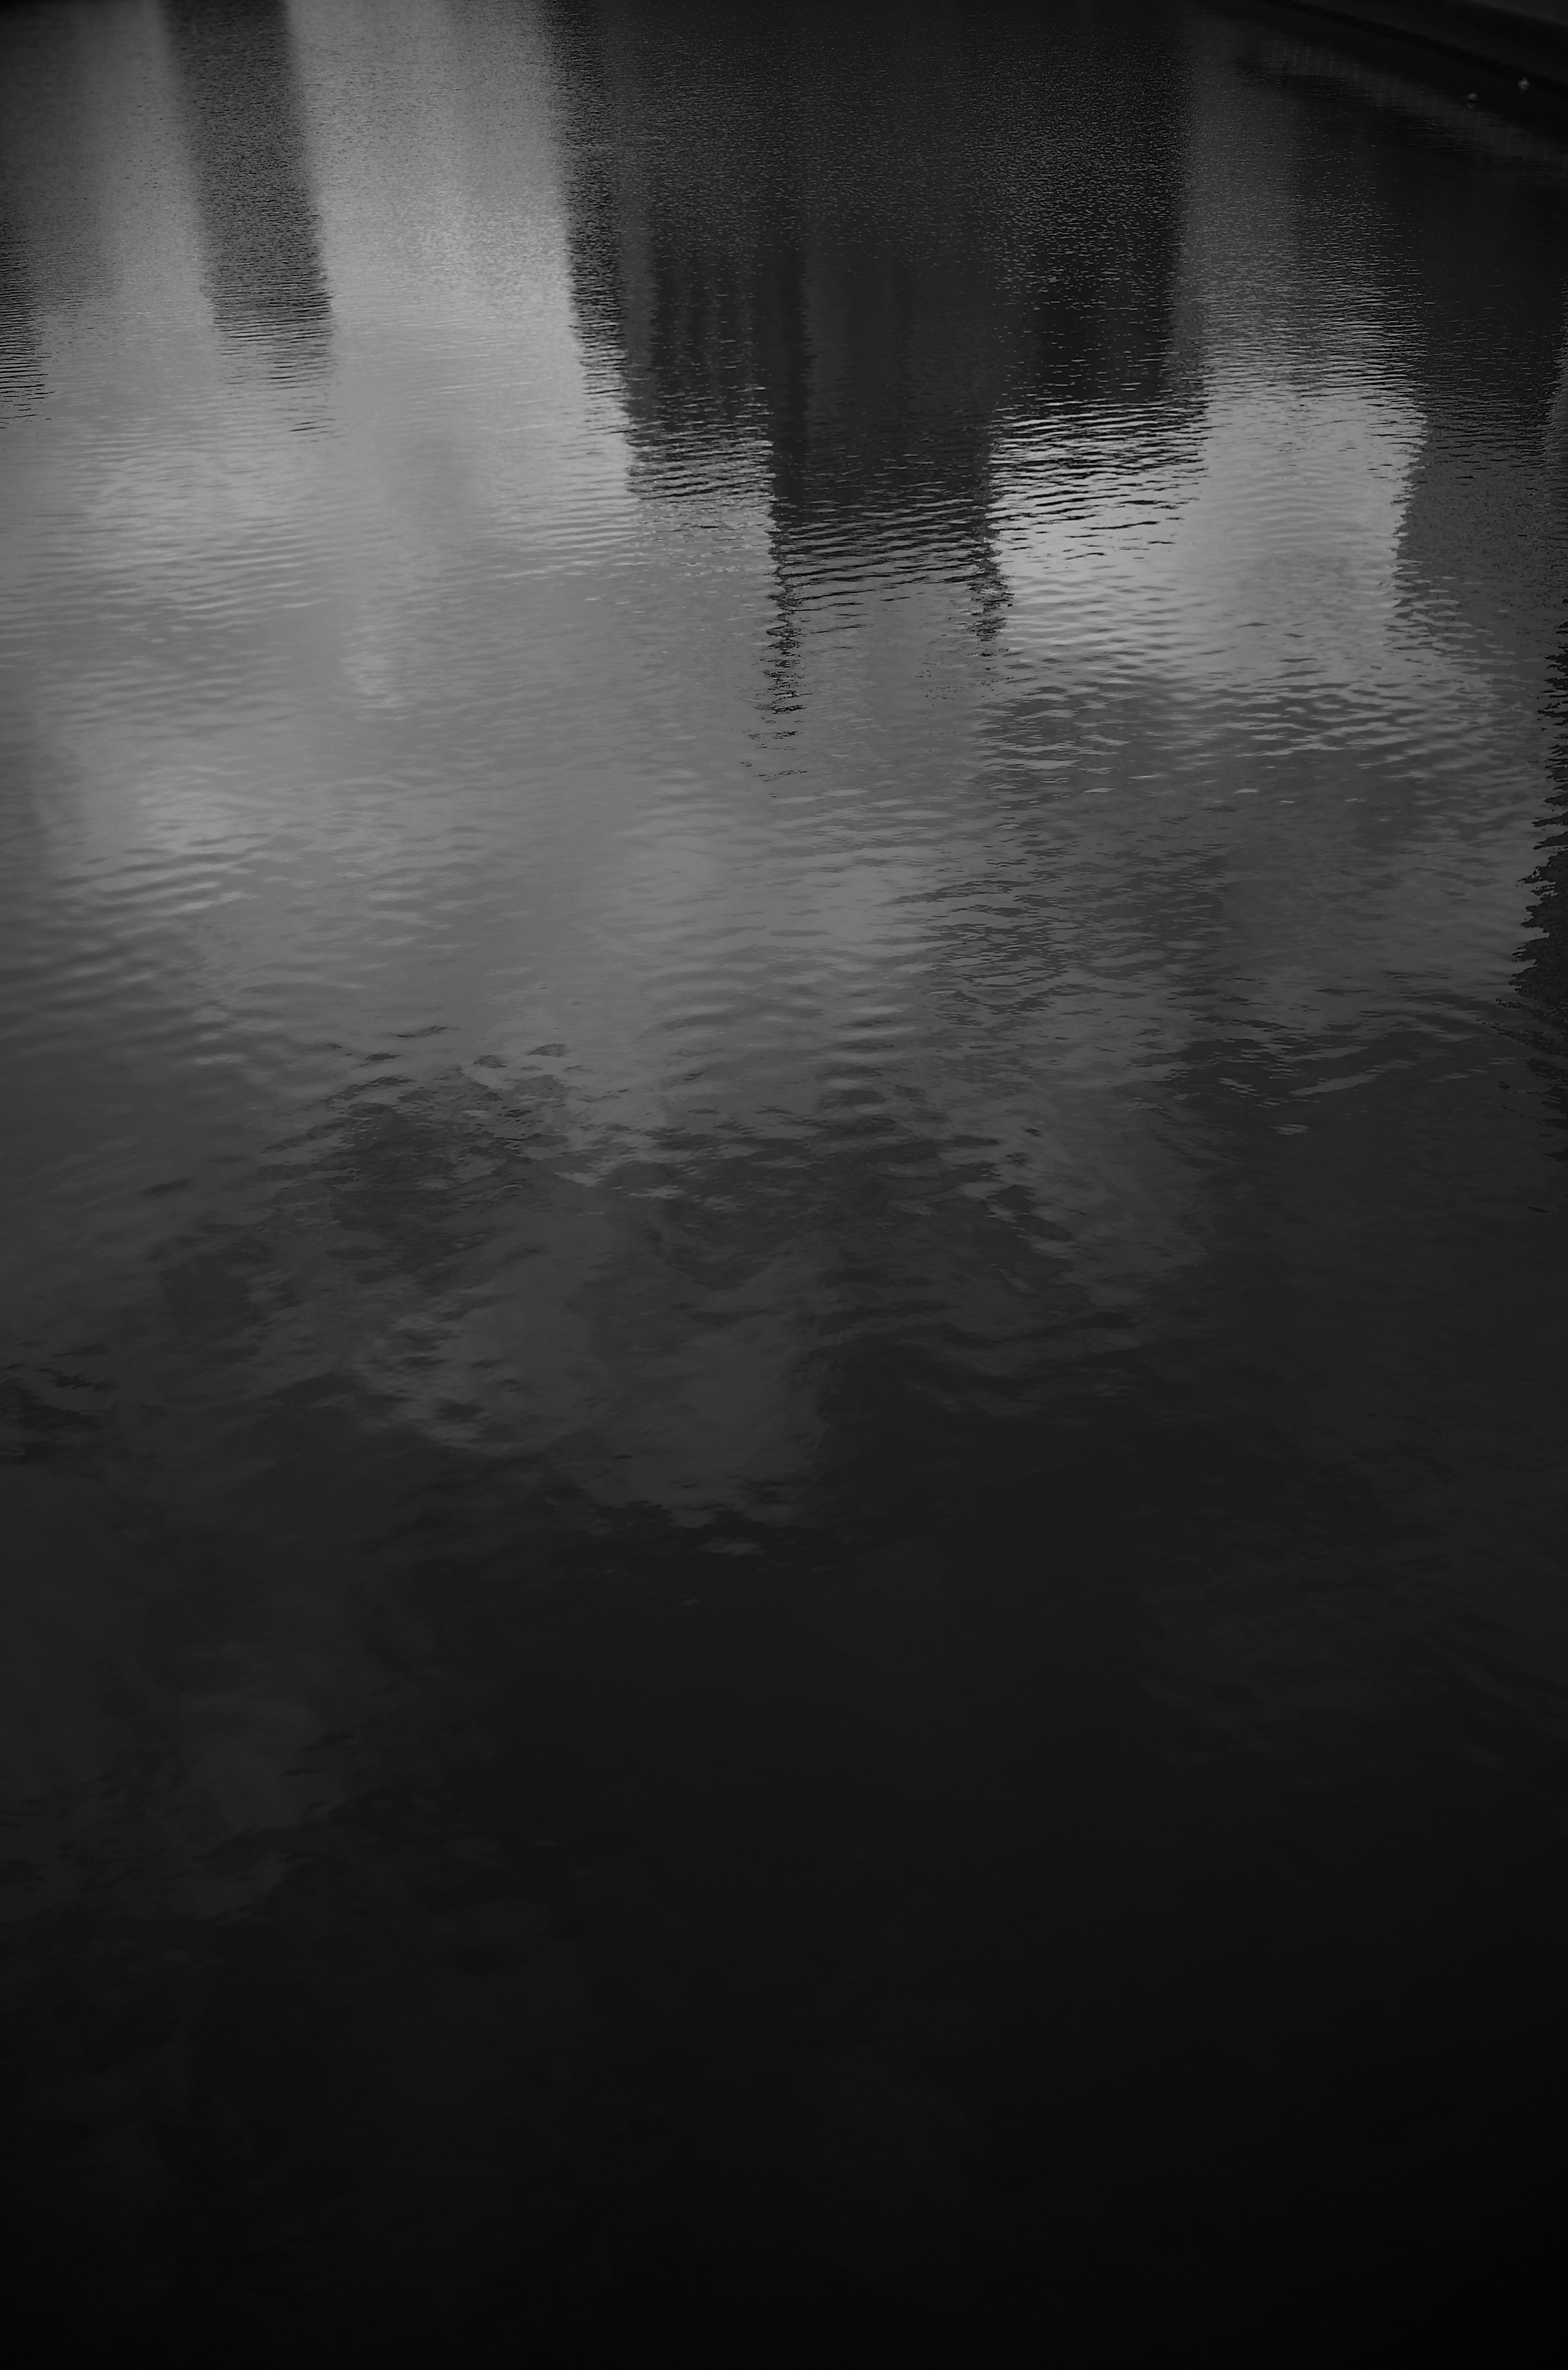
column 21, row 362
column 264, row 278
column 1543, row 967
column 55, row 247
column 1543, row 977
column 1485, row 533
column 779, row 238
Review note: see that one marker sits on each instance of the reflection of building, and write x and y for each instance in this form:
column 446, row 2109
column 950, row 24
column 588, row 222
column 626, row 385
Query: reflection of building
column 1543, row 968
column 1484, row 546
column 1304, row 649
column 54, row 250
column 849, row 242
column 264, row 274
column 21, row 370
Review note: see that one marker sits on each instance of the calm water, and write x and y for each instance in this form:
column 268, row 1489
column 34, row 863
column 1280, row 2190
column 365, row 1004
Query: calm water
column 783, row 1225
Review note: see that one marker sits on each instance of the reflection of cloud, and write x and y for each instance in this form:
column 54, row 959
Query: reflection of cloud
column 1323, row 591
column 483, row 1290
column 1262, row 560
column 353, row 710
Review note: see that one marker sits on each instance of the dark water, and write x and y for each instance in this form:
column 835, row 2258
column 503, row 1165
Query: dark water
column 783, row 1234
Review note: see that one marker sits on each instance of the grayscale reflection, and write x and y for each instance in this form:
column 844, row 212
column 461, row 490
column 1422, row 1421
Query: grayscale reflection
column 241, row 100
column 53, row 248
column 781, row 1409
column 21, row 374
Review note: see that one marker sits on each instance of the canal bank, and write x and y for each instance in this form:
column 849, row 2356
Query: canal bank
column 1528, row 39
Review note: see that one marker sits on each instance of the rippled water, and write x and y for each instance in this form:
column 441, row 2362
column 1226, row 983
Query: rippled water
column 783, row 1219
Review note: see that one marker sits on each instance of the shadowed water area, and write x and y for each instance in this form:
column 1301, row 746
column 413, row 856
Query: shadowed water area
column 783, row 1240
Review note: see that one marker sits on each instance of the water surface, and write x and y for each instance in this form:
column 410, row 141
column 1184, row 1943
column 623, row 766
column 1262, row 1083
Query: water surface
column 783, row 1223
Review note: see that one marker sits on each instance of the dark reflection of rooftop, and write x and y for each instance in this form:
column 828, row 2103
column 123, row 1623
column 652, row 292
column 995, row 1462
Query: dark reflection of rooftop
column 265, row 278
column 859, row 240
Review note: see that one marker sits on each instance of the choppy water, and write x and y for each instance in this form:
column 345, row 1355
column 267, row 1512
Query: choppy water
column 783, row 1234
